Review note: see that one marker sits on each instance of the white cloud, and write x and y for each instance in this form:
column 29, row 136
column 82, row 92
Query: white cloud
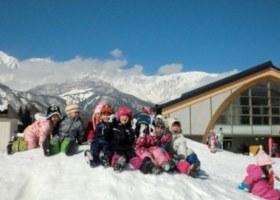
column 170, row 69
column 116, row 53
column 115, row 71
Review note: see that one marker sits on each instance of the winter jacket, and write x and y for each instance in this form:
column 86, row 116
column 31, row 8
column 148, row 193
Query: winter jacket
column 72, row 128
column 123, row 138
column 258, row 185
column 36, row 133
column 90, row 132
column 164, row 141
column 146, row 146
column 104, row 131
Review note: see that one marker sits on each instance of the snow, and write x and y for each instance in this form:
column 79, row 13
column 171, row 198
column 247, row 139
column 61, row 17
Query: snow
column 9, row 61
column 30, row 175
column 3, row 105
column 78, row 95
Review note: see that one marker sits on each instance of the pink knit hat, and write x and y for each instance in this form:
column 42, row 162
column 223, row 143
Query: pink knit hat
column 263, row 159
column 124, row 111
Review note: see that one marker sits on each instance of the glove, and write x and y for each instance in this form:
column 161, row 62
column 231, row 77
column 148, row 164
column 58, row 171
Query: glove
column 133, row 123
column 112, row 118
column 152, row 130
column 143, row 130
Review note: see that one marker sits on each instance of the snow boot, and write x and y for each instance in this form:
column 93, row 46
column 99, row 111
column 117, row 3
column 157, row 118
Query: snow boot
column 156, row 170
column 9, row 148
column 47, row 147
column 166, row 166
column 89, row 158
column 104, row 159
column 120, row 165
column 147, row 166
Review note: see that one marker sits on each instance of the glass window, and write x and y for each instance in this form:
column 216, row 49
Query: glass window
column 275, row 110
column 259, row 90
column 275, row 120
column 260, row 120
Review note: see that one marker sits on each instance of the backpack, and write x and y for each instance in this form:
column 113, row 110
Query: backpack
column 17, row 144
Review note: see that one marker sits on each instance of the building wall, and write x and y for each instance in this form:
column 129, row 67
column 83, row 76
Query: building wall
column 8, row 128
column 195, row 117
column 184, row 116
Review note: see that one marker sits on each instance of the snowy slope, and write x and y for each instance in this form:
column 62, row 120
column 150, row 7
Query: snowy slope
column 30, row 175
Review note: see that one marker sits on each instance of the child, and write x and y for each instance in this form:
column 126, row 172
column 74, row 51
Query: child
column 123, row 139
column 187, row 160
column 212, row 141
column 154, row 159
column 71, row 129
column 95, row 119
column 257, row 179
column 100, row 148
column 36, row 133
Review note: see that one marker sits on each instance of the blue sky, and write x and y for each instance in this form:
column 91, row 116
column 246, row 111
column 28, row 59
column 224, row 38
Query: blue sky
column 205, row 35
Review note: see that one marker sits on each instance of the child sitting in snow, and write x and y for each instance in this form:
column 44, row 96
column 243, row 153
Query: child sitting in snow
column 71, row 129
column 153, row 158
column 123, row 139
column 258, row 179
column 187, row 160
column 36, row 133
column 163, row 136
column 100, row 149
column 92, row 124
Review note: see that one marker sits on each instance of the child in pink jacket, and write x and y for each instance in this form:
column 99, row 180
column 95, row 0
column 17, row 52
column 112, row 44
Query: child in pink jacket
column 154, row 159
column 36, row 133
column 257, row 179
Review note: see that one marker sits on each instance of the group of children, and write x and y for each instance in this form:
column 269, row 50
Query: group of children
column 117, row 139
column 148, row 143
column 143, row 142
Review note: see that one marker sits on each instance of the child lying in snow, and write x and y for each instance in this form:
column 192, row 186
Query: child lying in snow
column 260, row 178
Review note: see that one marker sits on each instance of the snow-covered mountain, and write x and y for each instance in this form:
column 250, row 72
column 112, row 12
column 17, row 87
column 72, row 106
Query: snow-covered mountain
column 30, row 175
column 8, row 61
column 21, row 99
column 32, row 72
column 89, row 93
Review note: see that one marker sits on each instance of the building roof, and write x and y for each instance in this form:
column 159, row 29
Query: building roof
column 219, row 83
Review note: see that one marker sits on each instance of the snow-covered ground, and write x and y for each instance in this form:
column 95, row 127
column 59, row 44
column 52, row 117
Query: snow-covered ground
column 29, row 175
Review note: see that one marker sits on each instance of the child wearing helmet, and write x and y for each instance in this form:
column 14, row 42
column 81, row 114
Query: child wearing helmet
column 123, row 139
column 258, row 176
column 154, row 159
column 36, row 133
column 101, row 149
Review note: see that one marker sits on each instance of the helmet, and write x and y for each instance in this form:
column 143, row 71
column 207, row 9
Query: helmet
column 159, row 123
column 53, row 110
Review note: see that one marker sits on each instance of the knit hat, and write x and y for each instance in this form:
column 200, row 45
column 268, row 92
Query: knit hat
column 53, row 110
column 124, row 111
column 72, row 107
column 263, row 159
column 107, row 109
column 173, row 121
